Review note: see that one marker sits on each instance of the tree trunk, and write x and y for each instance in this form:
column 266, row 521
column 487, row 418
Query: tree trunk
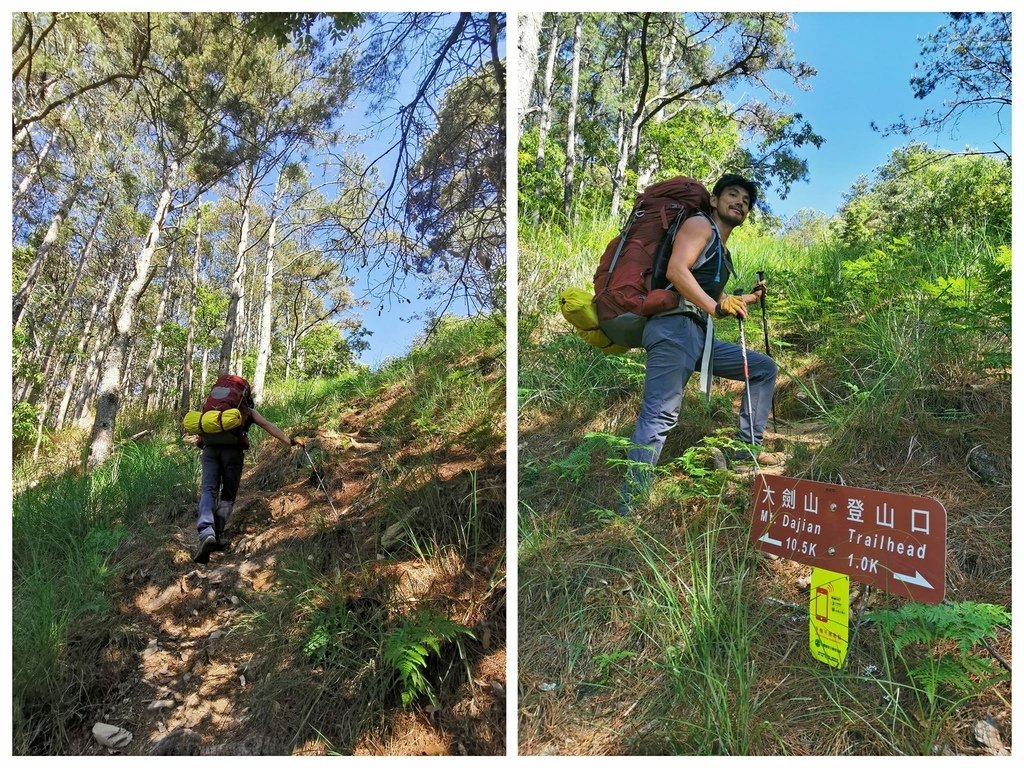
column 126, row 372
column 69, row 385
column 157, row 349
column 547, row 96
column 96, row 355
column 21, row 298
column 186, row 375
column 623, row 133
column 206, row 370
column 628, row 155
column 85, row 406
column 266, row 314
column 108, row 394
column 665, row 58
column 296, row 353
column 529, row 45
column 236, row 305
column 574, row 93
column 65, row 305
column 40, row 428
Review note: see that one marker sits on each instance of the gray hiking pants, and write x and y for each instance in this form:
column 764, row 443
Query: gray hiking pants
column 222, row 473
column 674, row 345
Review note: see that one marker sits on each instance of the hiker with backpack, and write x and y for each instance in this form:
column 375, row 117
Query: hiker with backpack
column 223, row 426
column 660, row 285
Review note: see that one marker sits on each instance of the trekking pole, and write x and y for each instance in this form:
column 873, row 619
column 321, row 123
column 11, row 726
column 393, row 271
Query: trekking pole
column 767, row 348
column 746, row 378
column 320, row 480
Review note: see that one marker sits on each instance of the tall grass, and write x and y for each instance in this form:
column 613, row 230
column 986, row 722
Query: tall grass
column 864, row 338
column 699, row 612
column 551, row 260
column 309, row 402
column 65, row 537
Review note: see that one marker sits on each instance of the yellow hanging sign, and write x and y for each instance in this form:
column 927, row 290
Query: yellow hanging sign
column 830, row 616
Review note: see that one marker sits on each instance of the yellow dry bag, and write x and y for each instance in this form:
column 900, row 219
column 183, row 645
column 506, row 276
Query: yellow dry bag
column 577, row 307
column 212, row 422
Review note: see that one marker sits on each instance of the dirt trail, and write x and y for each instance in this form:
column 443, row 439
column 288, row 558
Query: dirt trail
column 180, row 683
column 187, row 692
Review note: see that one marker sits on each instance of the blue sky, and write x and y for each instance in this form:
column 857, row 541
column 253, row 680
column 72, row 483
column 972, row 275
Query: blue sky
column 865, row 62
column 399, row 324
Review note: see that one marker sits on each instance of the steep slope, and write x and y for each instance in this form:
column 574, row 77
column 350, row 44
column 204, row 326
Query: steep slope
column 360, row 606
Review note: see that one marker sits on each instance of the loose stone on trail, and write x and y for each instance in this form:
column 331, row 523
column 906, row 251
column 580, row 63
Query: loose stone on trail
column 111, row 736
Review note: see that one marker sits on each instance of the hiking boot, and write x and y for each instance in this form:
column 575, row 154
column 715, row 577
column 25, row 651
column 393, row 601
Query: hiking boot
column 742, row 456
column 223, row 542
column 206, row 545
column 776, row 459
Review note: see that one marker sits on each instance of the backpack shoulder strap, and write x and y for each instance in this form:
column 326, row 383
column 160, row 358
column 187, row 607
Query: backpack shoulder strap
column 713, row 249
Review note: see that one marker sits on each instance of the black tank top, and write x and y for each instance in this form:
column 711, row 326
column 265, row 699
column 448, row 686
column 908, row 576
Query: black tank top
column 712, row 268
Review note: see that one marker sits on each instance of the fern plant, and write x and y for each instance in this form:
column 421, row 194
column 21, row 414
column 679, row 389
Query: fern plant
column 329, row 627
column 946, row 667
column 408, row 647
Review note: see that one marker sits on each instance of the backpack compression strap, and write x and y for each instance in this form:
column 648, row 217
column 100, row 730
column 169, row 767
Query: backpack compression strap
column 623, row 235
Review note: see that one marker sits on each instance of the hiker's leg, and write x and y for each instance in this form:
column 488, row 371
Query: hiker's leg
column 231, row 467
column 728, row 363
column 673, row 344
column 208, row 490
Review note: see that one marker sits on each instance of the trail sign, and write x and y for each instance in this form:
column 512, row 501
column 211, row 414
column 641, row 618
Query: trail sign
column 893, row 541
column 830, row 616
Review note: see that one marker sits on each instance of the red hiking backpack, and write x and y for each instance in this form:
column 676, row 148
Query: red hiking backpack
column 229, row 391
column 630, row 279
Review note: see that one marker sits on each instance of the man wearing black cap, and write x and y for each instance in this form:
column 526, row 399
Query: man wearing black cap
column 677, row 341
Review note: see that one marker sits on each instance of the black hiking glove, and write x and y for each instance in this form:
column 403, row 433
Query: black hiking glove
column 731, row 305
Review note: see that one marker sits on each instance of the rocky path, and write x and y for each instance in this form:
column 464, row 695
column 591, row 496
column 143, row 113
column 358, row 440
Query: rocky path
column 190, row 672
column 188, row 693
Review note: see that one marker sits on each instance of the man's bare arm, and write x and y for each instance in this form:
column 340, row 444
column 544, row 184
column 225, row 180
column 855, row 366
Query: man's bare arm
column 260, row 420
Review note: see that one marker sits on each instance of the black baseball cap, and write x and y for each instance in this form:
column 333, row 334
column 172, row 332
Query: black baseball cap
column 735, row 180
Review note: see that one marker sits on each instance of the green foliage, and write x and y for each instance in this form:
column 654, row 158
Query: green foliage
column 700, row 479
column 456, row 194
column 694, row 142
column 455, row 391
column 576, row 465
column 968, row 59
column 607, row 661
column 409, row 646
column 22, row 363
column 929, row 197
column 211, row 306
column 567, row 371
column 328, row 631
column 688, row 128
column 967, row 624
column 540, row 197
column 24, row 422
column 326, row 352
column 284, row 28
column 939, row 647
